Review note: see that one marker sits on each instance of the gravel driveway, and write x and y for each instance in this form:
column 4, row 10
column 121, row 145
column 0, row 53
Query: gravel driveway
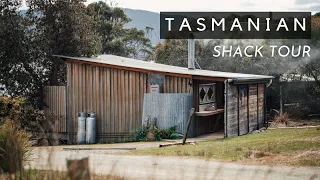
column 150, row 167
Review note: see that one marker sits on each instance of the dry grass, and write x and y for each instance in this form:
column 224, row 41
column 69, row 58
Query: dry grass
column 274, row 147
column 15, row 152
column 284, row 118
column 53, row 175
column 307, row 158
column 14, row 148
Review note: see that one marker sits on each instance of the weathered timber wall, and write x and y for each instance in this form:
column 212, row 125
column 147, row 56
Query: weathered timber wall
column 261, row 105
column 116, row 96
column 177, row 85
column 213, row 123
column 244, row 111
column 231, row 117
column 169, row 109
column 55, row 109
column 253, row 114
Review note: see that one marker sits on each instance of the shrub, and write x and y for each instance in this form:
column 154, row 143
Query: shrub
column 283, row 119
column 22, row 113
column 175, row 136
column 166, row 133
column 14, row 147
column 141, row 134
column 158, row 134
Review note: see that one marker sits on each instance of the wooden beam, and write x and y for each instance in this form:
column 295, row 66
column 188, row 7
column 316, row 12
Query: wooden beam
column 219, row 79
column 188, row 126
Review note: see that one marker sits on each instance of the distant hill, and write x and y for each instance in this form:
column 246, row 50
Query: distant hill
column 140, row 19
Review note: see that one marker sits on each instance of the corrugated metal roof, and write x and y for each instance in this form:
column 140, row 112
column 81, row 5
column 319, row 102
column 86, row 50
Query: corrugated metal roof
column 138, row 64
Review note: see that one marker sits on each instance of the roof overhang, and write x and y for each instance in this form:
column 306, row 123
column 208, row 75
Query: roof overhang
column 118, row 62
column 239, row 81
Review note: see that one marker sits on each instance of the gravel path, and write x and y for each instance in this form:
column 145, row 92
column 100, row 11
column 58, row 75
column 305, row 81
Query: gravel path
column 150, row 167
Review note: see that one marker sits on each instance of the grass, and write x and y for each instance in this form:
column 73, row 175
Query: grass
column 297, row 147
column 14, row 147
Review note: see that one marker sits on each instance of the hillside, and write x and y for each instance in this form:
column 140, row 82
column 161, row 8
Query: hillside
column 141, row 19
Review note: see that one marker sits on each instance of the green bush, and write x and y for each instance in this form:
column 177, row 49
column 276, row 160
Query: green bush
column 169, row 133
column 14, row 147
column 175, row 136
column 157, row 134
column 141, row 134
column 166, row 133
column 22, row 113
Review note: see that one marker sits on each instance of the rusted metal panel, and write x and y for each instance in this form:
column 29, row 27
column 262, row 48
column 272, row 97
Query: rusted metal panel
column 55, row 99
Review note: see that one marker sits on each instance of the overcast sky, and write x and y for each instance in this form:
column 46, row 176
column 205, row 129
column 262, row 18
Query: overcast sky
column 219, row 5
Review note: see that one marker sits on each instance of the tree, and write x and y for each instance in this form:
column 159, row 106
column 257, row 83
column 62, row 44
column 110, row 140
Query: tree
column 65, row 29
column 137, row 44
column 21, row 70
column 115, row 39
column 175, row 52
column 108, row 22
column 312, row 68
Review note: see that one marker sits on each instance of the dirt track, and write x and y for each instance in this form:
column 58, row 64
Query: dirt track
column 150, row 167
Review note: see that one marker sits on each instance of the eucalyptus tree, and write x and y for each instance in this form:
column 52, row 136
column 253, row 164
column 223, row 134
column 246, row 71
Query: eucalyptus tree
column 109, row 22
column 65, row 29
column 21, row 70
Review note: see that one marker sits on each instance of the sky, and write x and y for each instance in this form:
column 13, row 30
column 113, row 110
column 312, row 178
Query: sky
column 218, row 5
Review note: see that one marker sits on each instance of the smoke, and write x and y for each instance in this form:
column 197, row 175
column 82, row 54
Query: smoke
column 267, row 64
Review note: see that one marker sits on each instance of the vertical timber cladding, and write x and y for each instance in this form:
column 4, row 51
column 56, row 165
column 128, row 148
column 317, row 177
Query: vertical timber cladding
column 177, row 85
column 231, row 120
column 261, row 105
column 55, row 99
column 253, row 111
column 244, row 109
column 115, row 95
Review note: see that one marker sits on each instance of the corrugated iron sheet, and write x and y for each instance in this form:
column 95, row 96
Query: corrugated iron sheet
column 170, row 109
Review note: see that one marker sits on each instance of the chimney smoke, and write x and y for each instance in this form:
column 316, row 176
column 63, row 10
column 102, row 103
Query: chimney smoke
column 191, row 52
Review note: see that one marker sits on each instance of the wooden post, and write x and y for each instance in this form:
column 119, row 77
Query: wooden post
column 281, row 99
column 78, row 169
column 188, row 126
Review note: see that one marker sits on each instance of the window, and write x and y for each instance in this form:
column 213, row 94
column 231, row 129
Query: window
column 207, row 96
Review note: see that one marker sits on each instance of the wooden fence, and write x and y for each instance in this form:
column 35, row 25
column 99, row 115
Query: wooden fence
column 55, row 110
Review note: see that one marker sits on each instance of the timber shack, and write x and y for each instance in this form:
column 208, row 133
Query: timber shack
column 123, row 92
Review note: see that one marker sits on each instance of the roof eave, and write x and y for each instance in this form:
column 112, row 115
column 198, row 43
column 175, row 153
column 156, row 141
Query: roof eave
column 239, row 81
